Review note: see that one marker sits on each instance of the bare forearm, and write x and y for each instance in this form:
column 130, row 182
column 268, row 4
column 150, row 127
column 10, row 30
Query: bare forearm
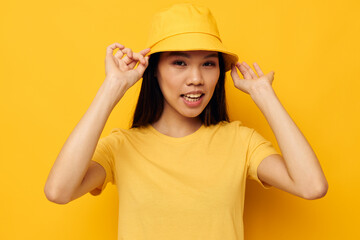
column 74, row 158
column 300, row 159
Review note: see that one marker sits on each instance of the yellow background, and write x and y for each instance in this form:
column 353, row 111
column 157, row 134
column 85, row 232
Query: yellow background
column 52, row 64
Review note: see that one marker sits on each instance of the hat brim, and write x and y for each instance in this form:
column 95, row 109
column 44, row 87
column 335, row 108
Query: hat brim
column 195, row 41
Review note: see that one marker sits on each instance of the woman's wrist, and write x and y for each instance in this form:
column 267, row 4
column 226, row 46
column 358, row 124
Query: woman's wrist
column 261, row 92
column 110, row 94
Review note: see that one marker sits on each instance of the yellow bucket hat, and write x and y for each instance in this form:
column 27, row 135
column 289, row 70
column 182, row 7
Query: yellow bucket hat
column 187, row 27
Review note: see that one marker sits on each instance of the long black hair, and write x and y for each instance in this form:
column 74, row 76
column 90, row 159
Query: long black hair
column 150, row 104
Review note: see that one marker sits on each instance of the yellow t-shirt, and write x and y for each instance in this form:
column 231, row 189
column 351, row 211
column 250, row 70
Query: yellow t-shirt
column 182, row 188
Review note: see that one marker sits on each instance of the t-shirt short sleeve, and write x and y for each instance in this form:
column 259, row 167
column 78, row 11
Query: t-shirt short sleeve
column 104, row 156
column 258, row 149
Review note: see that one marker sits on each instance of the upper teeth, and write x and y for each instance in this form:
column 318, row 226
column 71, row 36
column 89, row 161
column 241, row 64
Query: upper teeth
column 193, row 95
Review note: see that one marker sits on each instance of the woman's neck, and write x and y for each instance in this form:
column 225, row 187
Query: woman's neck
column 175, row 126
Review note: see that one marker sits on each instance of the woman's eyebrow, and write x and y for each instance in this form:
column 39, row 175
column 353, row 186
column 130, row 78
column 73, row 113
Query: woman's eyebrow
column 181, row 54
column 212, row 55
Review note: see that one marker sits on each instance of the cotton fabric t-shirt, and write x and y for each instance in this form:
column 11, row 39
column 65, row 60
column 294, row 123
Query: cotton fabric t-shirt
column 190, row 187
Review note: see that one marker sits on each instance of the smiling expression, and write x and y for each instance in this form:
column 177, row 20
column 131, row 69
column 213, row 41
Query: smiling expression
column 187, row 81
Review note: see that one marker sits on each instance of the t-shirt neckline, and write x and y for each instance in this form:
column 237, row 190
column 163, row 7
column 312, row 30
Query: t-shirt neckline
column 190, row 137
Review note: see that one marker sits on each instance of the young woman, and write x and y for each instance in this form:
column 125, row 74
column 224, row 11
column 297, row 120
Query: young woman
column 181, row 168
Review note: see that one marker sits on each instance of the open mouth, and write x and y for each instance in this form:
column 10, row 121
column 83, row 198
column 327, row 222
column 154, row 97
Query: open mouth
column 192, row 97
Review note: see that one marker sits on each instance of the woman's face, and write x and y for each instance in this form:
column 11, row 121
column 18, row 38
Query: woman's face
column 187, row 81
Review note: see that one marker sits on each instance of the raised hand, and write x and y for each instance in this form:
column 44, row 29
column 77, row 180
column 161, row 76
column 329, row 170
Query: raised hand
column 120, row 67
column 251, row 81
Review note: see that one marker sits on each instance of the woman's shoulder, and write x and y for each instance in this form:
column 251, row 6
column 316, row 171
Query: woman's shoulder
column 130, row 132
column 229, row 125
column 113, row 136
column 233, row 127
column 116, row 136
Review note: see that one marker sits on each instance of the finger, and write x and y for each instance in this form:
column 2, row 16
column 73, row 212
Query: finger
column 270, row 76
column 141, row 59
column 138, row 57
column 243, row 71
column 129, row 55
column 128, row 52
column 132, row 64
column 110, row 49
column 238, row 82
column 127, row 60
column 123, row 66
column 141, row 67
column 249, row 69
column 145, row 51
column 258, row 70
column 119, row 54
column 109, row 59
column 234, row 74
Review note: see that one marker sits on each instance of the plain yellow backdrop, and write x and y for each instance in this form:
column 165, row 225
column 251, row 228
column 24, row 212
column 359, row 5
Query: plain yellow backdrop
column 52, row 64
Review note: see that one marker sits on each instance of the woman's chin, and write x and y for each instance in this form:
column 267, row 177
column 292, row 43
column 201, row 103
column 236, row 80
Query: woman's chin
column 192, row 113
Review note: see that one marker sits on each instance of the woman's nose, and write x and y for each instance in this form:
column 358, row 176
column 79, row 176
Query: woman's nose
column 195, row 77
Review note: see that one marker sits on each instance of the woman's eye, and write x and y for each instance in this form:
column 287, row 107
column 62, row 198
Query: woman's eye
column 209, row 64
column 180, row 63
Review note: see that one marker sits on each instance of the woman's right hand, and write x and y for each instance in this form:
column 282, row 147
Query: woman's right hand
column 119, row 68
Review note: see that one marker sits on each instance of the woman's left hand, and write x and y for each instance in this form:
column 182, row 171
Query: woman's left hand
column 251, row 81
